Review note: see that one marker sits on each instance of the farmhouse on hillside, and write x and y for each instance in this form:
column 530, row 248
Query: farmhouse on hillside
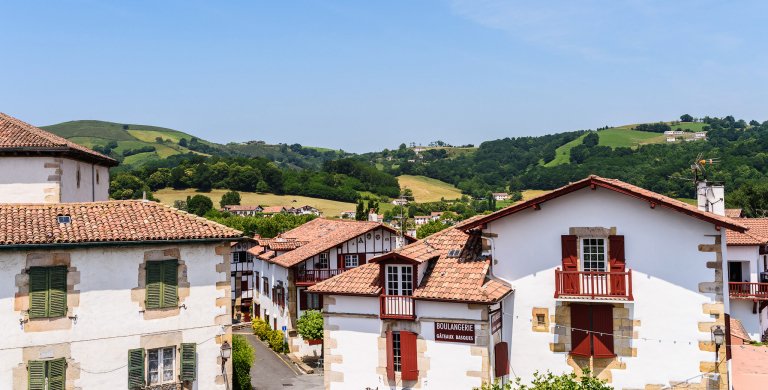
column 598, row 274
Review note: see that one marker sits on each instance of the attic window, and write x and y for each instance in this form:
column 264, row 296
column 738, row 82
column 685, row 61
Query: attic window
column 454, row 253
column 64, row 219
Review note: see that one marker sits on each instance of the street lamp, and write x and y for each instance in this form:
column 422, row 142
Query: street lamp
column 226, row 353
column 718, row 337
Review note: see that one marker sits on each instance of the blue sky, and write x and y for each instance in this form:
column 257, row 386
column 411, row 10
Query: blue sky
column 364, row 75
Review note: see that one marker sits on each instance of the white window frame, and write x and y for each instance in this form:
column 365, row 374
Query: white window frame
column 323, row 260
column 350, row 259
column 313, row 301
column 593, row 257
column 399, row 279
column 162, row 365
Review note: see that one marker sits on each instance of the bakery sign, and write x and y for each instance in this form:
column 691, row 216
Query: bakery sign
column 455, row 332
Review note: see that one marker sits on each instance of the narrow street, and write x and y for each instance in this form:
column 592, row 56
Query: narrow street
column 270, row 372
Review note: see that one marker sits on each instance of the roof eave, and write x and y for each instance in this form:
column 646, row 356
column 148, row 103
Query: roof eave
column 75, row 245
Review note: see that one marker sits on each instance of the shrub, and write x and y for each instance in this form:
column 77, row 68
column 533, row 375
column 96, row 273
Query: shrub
column 550, row 381
column 242, row 359
column 277, row 342
column 261, row 329
column 310, row 325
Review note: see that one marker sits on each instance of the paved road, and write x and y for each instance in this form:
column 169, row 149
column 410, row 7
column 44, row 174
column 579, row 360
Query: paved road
column 270, row 372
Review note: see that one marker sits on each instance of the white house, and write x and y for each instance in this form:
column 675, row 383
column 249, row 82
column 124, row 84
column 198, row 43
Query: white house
column 40, row 167
column 245, row 283
column 303, row 256
column 243, row 210
column 350, row 214
column 421, row 219
column 400, row 202
column 112, row 295
column 501, row 196
column 606, row 276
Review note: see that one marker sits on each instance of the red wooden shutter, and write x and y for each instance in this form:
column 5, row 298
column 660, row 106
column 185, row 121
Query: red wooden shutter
column 390, row 356
column 617, row 264
column 361, row 258
column 501, row 357
column 303, row 299
column 570, row 263
column 340, row 261
column 580, row 321
column 727, row 337
column 410, row 369
column 602, row 324
column 320, row 300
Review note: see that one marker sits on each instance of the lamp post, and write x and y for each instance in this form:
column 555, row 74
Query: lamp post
column 718, row 337
column 226, row 353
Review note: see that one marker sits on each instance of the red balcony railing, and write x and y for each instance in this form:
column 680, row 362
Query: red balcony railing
column 593, row 285
column 746, row 290
column 312, row 276
column 401, row 307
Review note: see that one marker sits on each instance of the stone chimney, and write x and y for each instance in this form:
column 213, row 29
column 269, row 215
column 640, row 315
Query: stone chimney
column 372, row 216
column 710, row 197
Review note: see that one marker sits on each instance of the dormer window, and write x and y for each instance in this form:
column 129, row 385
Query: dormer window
column 400, row 280
column 64, row 219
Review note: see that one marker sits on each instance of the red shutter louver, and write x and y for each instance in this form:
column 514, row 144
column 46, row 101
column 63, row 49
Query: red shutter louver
column 501, row 357
column 410, row 369
column 617, row 264
column 580, row 322
column 569, row 246
column 361, row 258
column 340, row 261
column 390, row 356
column 602, row 325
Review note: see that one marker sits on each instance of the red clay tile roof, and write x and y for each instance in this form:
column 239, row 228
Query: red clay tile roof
column 756, row 235
column 237, row 207
column 737, row 330
column 273, row 209
column 321, row 234
column 17, row 136
column 462, row 278
column 110, row 221
column 620, row 187
column 733, row 213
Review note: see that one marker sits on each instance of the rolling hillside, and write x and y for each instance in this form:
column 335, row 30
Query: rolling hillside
column 426, row 189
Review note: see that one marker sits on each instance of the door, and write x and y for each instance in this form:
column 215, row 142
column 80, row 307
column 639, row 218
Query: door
column 399, row 290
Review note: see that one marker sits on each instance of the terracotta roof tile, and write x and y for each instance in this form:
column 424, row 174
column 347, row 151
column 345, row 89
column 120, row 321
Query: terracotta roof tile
column 756, row 235
column 111, row 221
column 620, row 187
column 273, row 209
column 363, row 280
column 737, row 330
column 733, row 213
column 19, row 136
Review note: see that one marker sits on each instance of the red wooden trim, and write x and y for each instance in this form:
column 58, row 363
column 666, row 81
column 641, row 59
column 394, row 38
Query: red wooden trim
column 393, row 257
column 409, row 362
column 602, row 324
column 314, row 342
column 580, row 321
column 390, row 356
column 501, row 359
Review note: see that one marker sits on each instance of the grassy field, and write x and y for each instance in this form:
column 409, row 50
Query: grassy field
column 614, row 137
column 329, row 208
column 426, row 189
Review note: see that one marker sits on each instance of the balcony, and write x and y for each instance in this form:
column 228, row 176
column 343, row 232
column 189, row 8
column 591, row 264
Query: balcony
column 308, row 277
column 746, row 290
column 593, row 285
column 400, row 307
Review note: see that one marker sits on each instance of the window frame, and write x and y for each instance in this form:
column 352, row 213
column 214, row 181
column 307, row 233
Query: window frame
column 399, row 285
column 166, row 290
column 161, row 366
column 348, row 260
column 49, row 294
column 602, row 264
column 323, row 260
column 397, row 353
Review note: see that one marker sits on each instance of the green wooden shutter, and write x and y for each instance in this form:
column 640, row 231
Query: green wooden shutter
column 136, row 368
column 36, row 371
column 38, row 292
column 56, row 374
column 170, row 283
column 154, row 286
column 188, row 362
column 57, row 291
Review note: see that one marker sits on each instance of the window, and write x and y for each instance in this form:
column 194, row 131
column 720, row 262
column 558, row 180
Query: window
column 401, row 355
column 64, row 219
column 592, row 330
column 97, row 176
column 541, row 320
column 323, row 261
column 238, row 257
column 266, row 286
column 77, row 177
column 47, row 374
column 47, row 292
column 593, row 256
column 399, row 280
column 310, row 301
column 351, row 261
column 158, row 366
column 256, row 283
column 162, row 284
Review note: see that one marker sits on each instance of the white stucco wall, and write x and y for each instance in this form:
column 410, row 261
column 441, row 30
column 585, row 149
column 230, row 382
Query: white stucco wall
column 30, row 180
column 357, row 341
column 662, row 251
column 274, row 273
column 109, row 321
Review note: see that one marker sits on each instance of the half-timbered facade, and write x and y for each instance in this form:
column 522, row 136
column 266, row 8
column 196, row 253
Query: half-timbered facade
column 245, row 281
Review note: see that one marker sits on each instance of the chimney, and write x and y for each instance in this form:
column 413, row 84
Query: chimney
column 372, row 216
column 710, row 197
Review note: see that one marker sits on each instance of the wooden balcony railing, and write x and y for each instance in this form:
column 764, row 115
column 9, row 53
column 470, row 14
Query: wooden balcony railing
column 593, row 285
column 746, row 290
column 401, row 307
column 312, row 276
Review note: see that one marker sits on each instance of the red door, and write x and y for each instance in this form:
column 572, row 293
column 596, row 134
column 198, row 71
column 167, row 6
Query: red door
column 570, row 264
column 617, row 265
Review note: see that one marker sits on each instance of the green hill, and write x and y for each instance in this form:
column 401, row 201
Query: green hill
column 98, row 134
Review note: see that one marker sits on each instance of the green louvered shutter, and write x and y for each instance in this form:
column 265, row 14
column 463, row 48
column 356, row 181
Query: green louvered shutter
column 57, row 291
column 170, row 283
column 136, row 368
column 57, row 374
column 36, row 370
column 38, row 292
column 154, row 288
column 188, row 362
